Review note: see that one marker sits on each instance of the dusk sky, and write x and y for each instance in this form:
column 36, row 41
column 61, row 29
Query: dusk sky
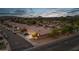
column 34, row 12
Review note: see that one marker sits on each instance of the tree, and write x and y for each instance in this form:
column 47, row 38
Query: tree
column 67, row 29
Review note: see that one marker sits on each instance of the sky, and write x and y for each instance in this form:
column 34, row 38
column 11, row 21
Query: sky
column 35, row 12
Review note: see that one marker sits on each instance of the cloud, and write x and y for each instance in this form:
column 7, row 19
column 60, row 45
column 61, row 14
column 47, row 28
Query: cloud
column 45, row 12
column 19, row 12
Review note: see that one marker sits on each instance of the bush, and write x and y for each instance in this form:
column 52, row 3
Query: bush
column 2, row 45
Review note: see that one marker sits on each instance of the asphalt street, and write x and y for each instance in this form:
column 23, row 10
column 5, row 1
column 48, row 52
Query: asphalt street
column 16, row 42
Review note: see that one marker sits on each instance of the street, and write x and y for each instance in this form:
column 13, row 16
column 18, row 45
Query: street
column 16, row 42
